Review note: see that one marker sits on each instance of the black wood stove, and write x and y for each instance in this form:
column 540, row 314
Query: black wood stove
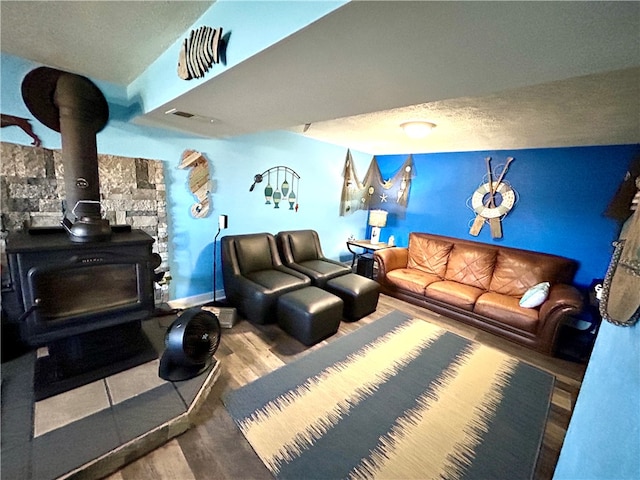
column 84, row 302
column 81, row 290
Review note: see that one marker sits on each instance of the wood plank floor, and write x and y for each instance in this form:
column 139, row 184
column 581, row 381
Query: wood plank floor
column 215, row 448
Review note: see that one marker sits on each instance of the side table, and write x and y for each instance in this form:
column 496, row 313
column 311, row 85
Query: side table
column 576, row 339
column 365, row 259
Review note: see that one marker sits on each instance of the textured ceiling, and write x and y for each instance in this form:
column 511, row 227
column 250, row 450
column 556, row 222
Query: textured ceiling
column 114, row 41
column 599, row 109
column 491, row 75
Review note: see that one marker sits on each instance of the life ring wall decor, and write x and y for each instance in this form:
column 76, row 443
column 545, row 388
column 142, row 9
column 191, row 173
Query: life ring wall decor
column 492, row 201
column 484, row 210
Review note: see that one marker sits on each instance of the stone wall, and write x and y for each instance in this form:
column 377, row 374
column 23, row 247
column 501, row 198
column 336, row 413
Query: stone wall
column 132, row 192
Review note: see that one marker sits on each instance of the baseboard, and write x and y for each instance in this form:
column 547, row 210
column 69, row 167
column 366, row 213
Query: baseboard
column 195, row 300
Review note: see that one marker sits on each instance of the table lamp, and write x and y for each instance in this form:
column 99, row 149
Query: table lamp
column 377, row 220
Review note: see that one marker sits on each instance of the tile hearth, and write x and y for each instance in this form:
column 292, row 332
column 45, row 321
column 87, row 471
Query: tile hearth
column 94, row 429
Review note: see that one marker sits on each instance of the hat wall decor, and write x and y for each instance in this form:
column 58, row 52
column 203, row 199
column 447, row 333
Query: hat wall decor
column 284, row 192
column 199, row 182
column 203, row 48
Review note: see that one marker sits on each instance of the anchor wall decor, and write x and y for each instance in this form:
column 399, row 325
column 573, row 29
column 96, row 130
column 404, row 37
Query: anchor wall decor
column 283, row 193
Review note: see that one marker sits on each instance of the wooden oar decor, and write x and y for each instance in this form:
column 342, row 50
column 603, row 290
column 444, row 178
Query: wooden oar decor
column 492, row 201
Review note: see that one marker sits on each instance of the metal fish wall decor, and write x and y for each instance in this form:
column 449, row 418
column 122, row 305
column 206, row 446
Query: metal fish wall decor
column 199, row 52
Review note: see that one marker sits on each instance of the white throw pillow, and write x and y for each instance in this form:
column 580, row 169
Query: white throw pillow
column 535, row 295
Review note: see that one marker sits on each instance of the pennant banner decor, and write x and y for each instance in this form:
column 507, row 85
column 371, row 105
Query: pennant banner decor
column 374, row 192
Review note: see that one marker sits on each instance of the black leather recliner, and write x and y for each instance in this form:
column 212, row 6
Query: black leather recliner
column 254, row 276
column 300, row 250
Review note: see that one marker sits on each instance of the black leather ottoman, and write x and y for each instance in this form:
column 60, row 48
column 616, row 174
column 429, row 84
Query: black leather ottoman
column 360, row 294
column 309, row 314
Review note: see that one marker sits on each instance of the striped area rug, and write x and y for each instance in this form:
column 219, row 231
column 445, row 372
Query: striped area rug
column 398, row 398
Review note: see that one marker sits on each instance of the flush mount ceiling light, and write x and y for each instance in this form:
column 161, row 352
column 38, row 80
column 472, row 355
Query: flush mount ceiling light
column 417, row 128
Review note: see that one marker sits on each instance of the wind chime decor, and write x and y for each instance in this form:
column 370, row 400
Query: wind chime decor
column 199, row 183
column 391, row 195
column 492, row 201
column 285, row 192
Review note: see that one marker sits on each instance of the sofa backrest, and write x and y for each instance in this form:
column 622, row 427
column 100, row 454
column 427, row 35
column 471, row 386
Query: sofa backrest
column 429, row 254
column 506, row 270
column 251, row 253
column 472, row 265
column 297, row 246
column 518, row 270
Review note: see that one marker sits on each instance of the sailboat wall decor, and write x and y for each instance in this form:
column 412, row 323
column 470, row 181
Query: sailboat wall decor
column 374, row 192
column 285, row 193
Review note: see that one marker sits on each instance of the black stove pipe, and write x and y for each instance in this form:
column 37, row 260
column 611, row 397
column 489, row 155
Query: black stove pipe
column 75, row 107
column 79, row 148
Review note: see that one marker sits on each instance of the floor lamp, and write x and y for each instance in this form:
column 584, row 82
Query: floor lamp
column 223, row 223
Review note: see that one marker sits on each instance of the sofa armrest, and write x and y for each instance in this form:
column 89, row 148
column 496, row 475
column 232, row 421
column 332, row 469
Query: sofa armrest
column 390, row 259
column 563, row 301
column 562, row 296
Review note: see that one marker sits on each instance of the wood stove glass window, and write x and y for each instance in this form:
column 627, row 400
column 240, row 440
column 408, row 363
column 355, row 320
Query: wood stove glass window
column 93, row 288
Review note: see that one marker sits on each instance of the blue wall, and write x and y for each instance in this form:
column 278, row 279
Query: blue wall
column 603, row 439
column 562, row 194
column 233, row 164
column 251, row 26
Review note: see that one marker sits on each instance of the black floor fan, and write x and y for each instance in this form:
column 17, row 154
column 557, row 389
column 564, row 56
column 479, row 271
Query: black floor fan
column 193, row 338
column 190, row 343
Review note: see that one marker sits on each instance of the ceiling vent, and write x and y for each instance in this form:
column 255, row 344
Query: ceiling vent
column 179, row 113
column 191, row 116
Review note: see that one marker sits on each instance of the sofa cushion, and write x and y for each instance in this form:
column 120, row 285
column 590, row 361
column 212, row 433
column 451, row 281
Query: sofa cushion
column 506, row 309
column 274, row 281
column 517, row 272
column 471, row 265
column 428, row 254
column 325, row 269
column 411, row 279
column 457, row 294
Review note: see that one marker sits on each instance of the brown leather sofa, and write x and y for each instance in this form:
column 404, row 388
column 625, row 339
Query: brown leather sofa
column 482, row 284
